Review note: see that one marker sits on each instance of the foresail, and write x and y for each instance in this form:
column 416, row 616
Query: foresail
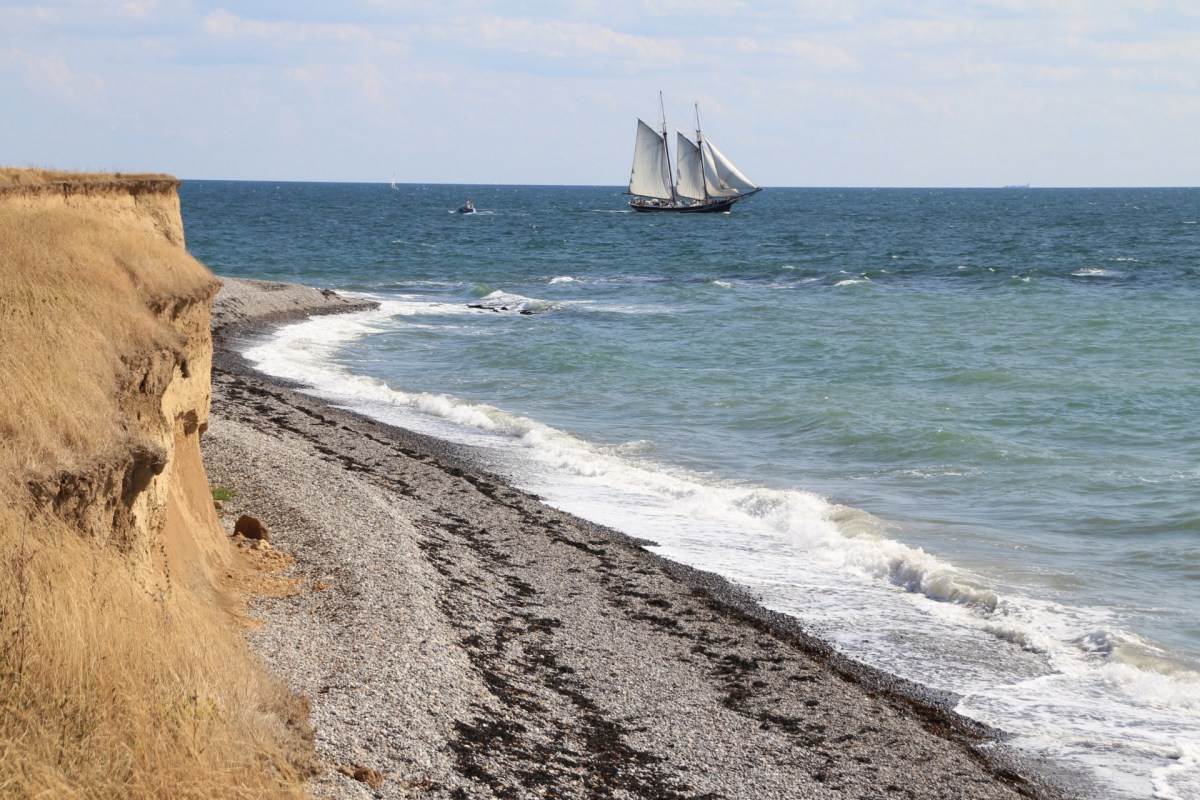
column 691, row 170
column 651, row 176
column 723, row 178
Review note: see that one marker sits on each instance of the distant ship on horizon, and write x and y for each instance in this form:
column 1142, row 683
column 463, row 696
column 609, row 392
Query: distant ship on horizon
column 705, row 182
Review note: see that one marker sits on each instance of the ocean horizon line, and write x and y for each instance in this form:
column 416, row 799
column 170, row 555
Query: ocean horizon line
column 621, row 187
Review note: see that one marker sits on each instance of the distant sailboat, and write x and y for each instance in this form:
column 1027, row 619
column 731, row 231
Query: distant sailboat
column 707, row 181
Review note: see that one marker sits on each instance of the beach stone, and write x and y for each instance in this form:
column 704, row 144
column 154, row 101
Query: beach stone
column 251, row 527
column 370, row 777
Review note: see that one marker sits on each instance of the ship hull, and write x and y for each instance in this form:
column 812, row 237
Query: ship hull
column 714, row 207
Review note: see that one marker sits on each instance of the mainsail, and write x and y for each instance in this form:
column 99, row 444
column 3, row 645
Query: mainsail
column 651, row 175
column 691, row 169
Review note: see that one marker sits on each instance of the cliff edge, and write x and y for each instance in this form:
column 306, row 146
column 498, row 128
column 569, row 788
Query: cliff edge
column 121, row 674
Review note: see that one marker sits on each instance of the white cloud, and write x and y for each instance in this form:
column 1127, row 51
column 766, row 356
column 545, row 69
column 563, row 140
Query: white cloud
column 139, row 9
column 822, row 56
column 559, row 39
column 365, row 82
column 226, row 25
column 52, row 73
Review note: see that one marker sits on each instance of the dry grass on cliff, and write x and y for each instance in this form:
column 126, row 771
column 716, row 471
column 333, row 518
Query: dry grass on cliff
column 116, row 678
column 73, row 297
column 112, row 686
column 11, row 176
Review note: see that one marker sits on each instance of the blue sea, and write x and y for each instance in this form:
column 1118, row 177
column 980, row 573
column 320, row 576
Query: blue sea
column 955, row 432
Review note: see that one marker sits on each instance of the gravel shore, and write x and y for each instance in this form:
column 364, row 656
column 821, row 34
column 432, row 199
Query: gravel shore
column 464, row 640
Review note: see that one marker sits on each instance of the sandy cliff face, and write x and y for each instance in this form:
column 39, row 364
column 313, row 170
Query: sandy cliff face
column 121, row 672
column 146, row 493
column 148, row 204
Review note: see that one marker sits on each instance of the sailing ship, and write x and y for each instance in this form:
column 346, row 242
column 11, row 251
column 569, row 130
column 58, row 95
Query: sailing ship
column 705, row 181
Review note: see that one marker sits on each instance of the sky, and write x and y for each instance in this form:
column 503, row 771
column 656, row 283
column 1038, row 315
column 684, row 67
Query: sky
column 939, row 93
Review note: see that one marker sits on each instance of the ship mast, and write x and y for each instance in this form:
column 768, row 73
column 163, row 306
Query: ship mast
column 700, row 148
column 667, row 150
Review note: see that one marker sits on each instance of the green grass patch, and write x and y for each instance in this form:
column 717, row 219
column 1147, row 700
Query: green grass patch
column 222, row 494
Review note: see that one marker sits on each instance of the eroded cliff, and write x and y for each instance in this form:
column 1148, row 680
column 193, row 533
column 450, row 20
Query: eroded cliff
column 117, row 665
column 97, row 273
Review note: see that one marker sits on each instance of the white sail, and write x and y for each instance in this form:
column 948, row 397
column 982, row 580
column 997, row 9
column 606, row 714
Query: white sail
column 691, row 169
column 651, row 175
column 722, row 177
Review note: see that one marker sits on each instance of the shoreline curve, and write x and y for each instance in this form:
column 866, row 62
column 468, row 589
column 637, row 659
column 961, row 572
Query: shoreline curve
column 462, row 639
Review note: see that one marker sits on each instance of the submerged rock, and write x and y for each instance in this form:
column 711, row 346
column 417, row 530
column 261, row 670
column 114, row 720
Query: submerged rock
column 525, row 312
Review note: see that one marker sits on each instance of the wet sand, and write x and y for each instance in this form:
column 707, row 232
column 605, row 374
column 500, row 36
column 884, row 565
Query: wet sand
column 464, row 640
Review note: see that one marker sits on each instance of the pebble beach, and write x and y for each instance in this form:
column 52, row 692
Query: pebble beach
column 457, row 638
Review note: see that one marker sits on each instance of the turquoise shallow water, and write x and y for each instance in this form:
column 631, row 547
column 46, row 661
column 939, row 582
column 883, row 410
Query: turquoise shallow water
column 952, row 430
